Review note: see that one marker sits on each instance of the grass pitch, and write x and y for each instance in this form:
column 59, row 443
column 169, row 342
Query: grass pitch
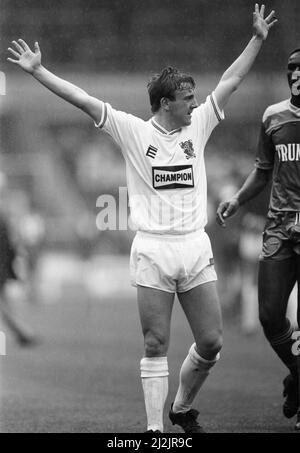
column 84, row 377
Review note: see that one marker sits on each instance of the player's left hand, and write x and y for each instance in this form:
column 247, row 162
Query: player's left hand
column 261, row 25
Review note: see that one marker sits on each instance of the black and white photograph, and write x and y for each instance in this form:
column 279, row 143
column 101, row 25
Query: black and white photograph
column 149, row 219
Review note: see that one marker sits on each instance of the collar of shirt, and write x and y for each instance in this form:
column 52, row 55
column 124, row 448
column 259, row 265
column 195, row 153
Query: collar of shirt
column 162, row 130
column 295, row 110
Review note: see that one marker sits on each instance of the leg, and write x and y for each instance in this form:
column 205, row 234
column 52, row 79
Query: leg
column 202, row 309
column 298, row 289
column 276, row 280
column 155, row 309
column 203, row 312
column 20, row 331
column 297, row 426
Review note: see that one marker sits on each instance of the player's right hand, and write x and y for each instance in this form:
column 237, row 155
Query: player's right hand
column 25, row 57
column 226, row 209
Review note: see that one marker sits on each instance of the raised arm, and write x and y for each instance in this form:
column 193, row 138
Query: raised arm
column 234, row 75
column 30, row 61
column 254, row 184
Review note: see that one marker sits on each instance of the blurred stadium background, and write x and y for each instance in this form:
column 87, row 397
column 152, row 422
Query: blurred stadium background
column 55, row 164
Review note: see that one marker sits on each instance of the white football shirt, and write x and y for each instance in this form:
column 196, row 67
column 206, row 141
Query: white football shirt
column 165, row 171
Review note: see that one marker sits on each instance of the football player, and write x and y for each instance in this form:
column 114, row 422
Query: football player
column 8, row 254
column 278, row 160
column 171, row 252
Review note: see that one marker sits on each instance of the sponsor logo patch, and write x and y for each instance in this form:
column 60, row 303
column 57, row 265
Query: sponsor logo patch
column 176, row 177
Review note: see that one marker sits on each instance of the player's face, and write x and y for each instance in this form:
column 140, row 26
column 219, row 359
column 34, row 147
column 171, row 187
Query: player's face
column 183, row 105
column 293, row 73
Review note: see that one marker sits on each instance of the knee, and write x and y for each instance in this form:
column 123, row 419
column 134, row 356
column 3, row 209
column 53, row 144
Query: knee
column 271, row 324
column 155, row 344
column 210, row 344
column 265, row 319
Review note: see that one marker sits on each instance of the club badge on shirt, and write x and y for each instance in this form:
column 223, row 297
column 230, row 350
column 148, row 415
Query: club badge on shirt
column 188, row 149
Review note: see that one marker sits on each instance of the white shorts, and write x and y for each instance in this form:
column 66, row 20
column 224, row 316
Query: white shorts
column 172, row 263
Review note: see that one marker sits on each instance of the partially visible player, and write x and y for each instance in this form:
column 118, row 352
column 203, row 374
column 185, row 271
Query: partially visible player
column 171, row 252
column 278, row 160
column 8, row 254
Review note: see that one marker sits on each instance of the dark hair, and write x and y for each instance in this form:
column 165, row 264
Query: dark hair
column 165, row 84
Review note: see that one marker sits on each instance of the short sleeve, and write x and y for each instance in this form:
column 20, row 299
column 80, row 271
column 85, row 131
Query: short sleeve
column 265, row 150
column 119, row 125
column 208, row 115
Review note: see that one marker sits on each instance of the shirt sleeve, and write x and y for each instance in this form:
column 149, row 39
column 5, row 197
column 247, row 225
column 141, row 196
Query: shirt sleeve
column 119, row 125
column 265, row 150
column 208, row 115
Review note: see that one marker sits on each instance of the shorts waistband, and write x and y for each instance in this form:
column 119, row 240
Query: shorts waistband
column 171, row 237
column 283, row 216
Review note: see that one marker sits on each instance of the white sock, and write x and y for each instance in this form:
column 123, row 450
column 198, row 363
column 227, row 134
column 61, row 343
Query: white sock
column 193, row 373
column 154, row 374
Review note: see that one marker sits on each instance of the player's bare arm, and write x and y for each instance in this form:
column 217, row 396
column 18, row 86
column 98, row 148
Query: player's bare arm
column 234, row 75
column 254, row 184
column 31, row 62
